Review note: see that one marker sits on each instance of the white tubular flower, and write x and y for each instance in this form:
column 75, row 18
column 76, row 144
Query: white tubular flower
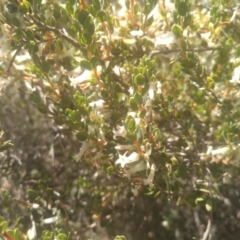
column 130, row 90
column 83, row 149
column 159, row 85
column 236, row 75
column 165, row 39
column 124, row 147
column 99, row 104
column 105, row 113
column 222, row 150
column 32, row 233
column 86, row 75
column 137, row 168
column 123, row 160
column 118, row 70
column 137, row 33
column 135, row 191
column 120, row 132
column 151, row 90
column 102, row 136
column 149, row 180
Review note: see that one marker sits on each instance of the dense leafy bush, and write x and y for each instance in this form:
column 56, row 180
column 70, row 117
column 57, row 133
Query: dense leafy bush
column 148, row 90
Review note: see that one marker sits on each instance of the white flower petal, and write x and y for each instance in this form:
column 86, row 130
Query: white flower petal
column 123, row 147
column 97, row 104
column 150, row 178
column 220, row 151
column 137, row 168
column 133, row 157
column 236, row 75
column 120, row 132
column 137, row 33
column 32, row 233
column 86, row 75
column 123, row 160
column 82, row 151
column 165, row 39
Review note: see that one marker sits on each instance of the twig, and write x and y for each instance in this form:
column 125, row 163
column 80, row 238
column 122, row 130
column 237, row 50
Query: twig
column 167, row 51
column 13, row 58
column 206, row 233
column 58, row 32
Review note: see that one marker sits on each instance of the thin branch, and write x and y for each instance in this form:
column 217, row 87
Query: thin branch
column 167, row 51
column 13, row 58
column 206, row 233
column 58, row 32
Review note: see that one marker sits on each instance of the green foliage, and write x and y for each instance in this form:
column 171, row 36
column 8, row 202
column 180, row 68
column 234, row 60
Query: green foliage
column 4, row 145
column 149, row 92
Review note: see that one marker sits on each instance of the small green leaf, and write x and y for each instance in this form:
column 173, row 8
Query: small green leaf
column 104, row 94
column 30, row 34
column 182, row 44
column 88, row 25
column 133, row 104
column 149, row 21
column 187, row 21
column 182, row 9
column 82, row 15
column 131, row 124
column 94, row 61
column 17, row 235
column 6, row 145
column 148, row 7
column 86, row 38
column 120, row 238
column 138, row 98
column 204, row 190
column 61, row 236
column 85, row 64
column 35, row 97
column 140, row 79
column 24, row 7
column 210, row 83
column 102, row 16
column 42, row 109
column 177, row 30
column 82, row 136
column 46, row 66
column 110, row 169
column 179, row 201
column 208, row 206
column 96, row 4
column 2, row 219
column 69, row 8
column 199, row 200
column 228, row 44
column 142, row 113
column 145, row 89
column 32, row 195
column 16, row 22
column 3, row 226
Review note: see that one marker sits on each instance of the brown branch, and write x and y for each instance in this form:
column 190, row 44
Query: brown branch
column 13, row 58
column 58, row 32
column 167, row 51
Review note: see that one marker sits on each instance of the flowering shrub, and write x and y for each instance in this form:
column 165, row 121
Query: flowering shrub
column 148, row 88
